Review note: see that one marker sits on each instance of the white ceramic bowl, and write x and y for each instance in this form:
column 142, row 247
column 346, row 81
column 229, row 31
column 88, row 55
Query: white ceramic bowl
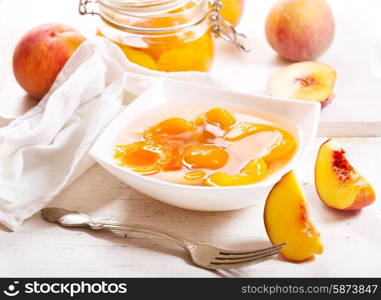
column 303, row 115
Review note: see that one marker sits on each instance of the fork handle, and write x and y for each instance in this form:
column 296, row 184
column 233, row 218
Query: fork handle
column 105, row 224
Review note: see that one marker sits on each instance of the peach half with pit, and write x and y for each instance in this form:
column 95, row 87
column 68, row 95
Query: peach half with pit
column 338, row 184
column 309, row 81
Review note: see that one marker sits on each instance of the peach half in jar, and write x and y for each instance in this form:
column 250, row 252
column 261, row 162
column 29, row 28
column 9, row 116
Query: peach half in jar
column 175, row 55
column 213, row 148
column 170, row 50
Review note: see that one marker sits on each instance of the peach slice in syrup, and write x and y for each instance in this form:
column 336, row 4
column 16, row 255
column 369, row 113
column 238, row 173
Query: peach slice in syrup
column 141, row 157
column 171, row 127
column 205, row 156
column 284, row 145
column 253, row 172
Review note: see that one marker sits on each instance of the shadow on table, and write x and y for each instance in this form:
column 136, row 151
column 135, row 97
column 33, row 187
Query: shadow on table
column 99, row 193
column 3, row 228
column 158, row 245
column 11, row 108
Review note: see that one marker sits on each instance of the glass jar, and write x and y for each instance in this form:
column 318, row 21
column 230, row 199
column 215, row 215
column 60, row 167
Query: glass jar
column 164, row 35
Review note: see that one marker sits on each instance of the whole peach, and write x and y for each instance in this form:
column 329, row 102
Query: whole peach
column 40, row 55
column 300, row 30
column 232, row 11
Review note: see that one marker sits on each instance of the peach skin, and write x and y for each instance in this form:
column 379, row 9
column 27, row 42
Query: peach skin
column 286, row 221
column 41, row 54
column 300, row 30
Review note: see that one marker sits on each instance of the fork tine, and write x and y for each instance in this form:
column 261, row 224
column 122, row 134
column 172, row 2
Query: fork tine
column 233, row 253
column 243, row 263
column 240, row 265
column 235, row 260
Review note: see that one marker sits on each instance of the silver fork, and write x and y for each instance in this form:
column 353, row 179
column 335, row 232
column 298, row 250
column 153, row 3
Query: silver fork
column 202, row 255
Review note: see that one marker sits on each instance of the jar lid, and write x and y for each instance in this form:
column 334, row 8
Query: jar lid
column 144, row 6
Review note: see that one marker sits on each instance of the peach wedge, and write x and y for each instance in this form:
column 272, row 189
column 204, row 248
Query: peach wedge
column 309, row 81
column 338, row 184
column 286, row 221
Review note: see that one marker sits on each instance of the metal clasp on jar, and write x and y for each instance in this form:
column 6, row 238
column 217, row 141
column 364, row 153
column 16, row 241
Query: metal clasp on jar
column 88, row 7
column 222, row 28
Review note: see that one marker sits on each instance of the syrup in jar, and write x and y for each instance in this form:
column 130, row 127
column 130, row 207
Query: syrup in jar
column 167, row 35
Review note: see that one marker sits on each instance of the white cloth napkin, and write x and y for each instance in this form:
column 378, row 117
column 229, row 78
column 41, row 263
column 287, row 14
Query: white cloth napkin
column 44, row 150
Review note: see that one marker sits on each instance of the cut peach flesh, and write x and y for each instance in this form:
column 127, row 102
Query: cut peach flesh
column 140, row 157
column 176, row 144
column 175, row 149
column 254, row 171
column 183, row 58
column 194, row 175
column 310, row 81
column 135, row 55
column 256, row 166
column 286, row 220
column 284, row 146
column 138, row 57
column 170, row 127
column 203, row 156
column 244, row 129
column 220, row 117
column 338, row 184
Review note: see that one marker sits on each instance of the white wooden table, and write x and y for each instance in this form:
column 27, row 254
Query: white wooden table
column 352, row 241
